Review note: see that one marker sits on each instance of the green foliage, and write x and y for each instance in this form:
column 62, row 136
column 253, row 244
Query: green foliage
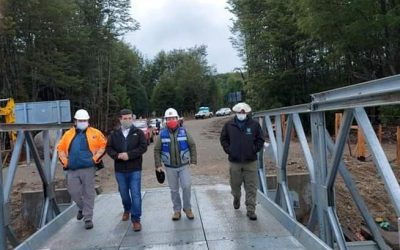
column 180, row 79
column 164, row 95
column 69, row 49
column 227, row 83
column 297, row 47
column 390, row 115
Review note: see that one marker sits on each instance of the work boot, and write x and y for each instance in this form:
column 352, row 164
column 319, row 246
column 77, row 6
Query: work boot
column 176, row 216
column 189, row 214
column 88, row 224
column 125, row 216
column 252, row 215
column 136, row 226
column 79, row 216
column 236, row 202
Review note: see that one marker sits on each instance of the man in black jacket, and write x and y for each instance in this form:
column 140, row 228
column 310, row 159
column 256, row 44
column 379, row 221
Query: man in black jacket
column 241, row 138
column 126, row 146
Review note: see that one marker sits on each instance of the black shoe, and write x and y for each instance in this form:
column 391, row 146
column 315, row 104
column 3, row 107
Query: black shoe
column 236, row 203
column 79, row 216
column 251, row 215
column 88, row 224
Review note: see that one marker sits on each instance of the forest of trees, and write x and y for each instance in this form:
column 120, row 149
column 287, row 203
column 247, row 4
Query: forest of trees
column 296, row 47
column 73, row 49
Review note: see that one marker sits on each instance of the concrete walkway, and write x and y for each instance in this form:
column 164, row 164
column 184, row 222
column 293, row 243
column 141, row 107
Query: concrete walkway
column 216, row 226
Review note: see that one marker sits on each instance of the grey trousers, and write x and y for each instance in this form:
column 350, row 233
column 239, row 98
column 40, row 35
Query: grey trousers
column 80, row 184
column 244, row 173
column 176, row 176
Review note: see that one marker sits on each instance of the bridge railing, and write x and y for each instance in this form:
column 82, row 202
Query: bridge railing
column 45, row 168
column 324, row 159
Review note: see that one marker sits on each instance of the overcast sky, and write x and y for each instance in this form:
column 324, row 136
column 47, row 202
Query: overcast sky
column 180, row 24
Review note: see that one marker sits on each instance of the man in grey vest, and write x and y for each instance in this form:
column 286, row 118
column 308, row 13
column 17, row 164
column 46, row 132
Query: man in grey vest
column 176, row 149
column 242, row 138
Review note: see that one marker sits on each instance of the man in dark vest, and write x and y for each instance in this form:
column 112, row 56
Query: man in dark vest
column 241, row 138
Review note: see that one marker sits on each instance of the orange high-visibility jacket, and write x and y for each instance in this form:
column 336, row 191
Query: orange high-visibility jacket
column 96, row 140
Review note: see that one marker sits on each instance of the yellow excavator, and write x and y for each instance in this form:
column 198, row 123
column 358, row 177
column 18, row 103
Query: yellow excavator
column 8, row 110
column 9, row 117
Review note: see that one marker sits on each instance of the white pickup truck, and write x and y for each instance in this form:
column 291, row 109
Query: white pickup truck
column 204, row 112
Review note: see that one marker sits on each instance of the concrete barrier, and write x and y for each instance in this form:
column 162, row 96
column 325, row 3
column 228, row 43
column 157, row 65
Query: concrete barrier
column 32, row 203
column 300, row 183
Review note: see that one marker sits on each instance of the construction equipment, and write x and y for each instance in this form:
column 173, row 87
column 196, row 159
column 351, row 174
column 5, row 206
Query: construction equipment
column 8, row 110
column 9, row 117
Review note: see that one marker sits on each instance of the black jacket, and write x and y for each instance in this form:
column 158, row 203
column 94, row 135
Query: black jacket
column 135, row 144
column 242, row 144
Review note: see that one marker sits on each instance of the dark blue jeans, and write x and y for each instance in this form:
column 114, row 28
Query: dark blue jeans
column 129, row 189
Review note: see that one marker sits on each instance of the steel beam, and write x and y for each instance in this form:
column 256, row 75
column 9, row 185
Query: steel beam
column 32, row 127
column 358, row 200
column 302, row 108
column 337, row 230
column 304, row 146
column 48, row 190
column 271, row 136
column 282, row 177
column 363, row 101
column 320, row 163
column 12, row 167
column 379, row 157
column 380, row 87
column 338, row 153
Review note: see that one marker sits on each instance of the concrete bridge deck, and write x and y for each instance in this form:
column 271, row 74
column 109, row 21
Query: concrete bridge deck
column 216, row 226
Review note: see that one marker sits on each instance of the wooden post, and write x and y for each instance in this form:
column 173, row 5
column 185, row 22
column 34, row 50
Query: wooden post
column 293, row 134
column 283, row 123
column 398, row 146
column 380, row 132
column 338, row 120
column 360, row 153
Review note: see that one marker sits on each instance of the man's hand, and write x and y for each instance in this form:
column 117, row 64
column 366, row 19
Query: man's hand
column 192, row 165
column 123, row 156
column 159, row 169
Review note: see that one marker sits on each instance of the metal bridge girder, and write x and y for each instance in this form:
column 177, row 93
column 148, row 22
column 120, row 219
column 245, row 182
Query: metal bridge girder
column 353, row 99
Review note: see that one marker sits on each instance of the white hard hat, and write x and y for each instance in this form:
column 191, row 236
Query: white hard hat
column 82, row 114
column 241, row 106
column 171, row 113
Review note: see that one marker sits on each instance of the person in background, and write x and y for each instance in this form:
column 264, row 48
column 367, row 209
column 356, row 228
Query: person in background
column 158, row 125
column 176, row 149
column 79, row 150
column 126, row 145
column 242, row 138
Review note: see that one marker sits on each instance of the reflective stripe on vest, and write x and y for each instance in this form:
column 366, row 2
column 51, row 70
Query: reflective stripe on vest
column 183, row 147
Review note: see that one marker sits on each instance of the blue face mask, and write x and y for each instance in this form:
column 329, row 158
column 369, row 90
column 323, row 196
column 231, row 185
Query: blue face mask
column 82, row 125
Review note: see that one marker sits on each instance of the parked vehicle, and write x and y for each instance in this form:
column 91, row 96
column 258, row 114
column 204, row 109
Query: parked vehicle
column 204, row 112
column 223, row 112
column 147, row 130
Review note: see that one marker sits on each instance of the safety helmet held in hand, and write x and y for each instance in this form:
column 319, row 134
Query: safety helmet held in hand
column 160, row 176
column 81, row 114
column 171, row 113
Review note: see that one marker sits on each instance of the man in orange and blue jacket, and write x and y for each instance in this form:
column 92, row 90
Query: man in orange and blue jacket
column 79, row 150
